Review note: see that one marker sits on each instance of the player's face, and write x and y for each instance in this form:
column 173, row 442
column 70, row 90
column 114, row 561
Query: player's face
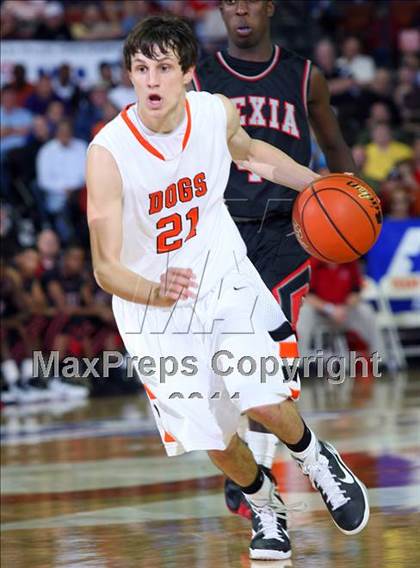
column 246, row 21
column 159, row 83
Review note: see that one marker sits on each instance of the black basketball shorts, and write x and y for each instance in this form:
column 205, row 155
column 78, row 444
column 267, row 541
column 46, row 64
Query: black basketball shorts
column 282, row 263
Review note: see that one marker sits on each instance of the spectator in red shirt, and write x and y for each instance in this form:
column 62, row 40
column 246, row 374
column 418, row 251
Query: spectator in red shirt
column 334, row 299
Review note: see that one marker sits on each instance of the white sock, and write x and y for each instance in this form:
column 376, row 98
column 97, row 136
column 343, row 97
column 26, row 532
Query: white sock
column 263, row 495
column 10, row 372
column 310, row 455
column 27, row 369
column 263, row 446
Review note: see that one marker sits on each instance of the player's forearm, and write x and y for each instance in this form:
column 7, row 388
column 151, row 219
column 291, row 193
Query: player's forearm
column 276, row 166
column 116, row 279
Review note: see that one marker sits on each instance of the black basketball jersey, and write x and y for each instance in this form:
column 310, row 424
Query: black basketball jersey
column 271, row 100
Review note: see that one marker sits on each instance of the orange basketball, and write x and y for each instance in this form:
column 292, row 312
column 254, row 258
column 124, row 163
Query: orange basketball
column 337, row 218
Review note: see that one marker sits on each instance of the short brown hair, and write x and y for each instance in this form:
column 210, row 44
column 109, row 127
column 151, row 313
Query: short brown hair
column 166, row 33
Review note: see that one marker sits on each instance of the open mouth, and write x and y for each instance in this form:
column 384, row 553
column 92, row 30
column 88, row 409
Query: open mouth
column 243, row 30
column 154, row 101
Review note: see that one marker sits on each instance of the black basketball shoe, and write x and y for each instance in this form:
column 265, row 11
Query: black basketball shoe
column 343, row 493
column 235, row 499
column 270, row 540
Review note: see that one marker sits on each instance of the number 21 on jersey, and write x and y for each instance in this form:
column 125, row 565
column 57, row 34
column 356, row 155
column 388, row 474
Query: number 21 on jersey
column 176, row 221
column 184, row 190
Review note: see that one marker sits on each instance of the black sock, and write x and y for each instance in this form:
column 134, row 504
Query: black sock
column 303, row 442
column 256, row 484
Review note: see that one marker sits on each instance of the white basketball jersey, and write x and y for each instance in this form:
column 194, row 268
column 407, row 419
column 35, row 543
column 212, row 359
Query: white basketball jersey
column 173, row 208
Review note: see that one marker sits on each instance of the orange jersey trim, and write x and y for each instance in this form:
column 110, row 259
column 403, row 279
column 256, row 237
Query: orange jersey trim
column 145, row 143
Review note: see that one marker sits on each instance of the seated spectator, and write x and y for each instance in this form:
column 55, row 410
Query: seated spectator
column 110, row 112
column 106, row 76
column 91, row 111
column 9, row 28
column 407, row 96
column 383, row 153
column 16, row 343
column 60, row 175
column 94, row 24
column 27, row 263
column 402, row 179
column 20, row 164
column 20, row 18
column 379, row 114
column 23, row 89
column 54, row 115
column 362, row 67
column 380, row 90
column 53, row 25
column 416, row 160
column 15, row 122
column 133, row 12
column 400, row 204
column 69, row 293
column 123, row 94
column 343, row 88
column 42, row 96
column 8, row 232
column 334, row 300
column 340, row 80
column 48, row 247
column 66, row 87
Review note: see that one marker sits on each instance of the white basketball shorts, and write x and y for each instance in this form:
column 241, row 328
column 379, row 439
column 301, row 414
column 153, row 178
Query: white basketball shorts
column 203, row 364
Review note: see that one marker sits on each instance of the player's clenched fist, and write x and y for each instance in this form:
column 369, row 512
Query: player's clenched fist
column 177, row 284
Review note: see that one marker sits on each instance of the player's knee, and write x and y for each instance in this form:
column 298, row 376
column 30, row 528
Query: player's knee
column 220, row 456
column 265, row 415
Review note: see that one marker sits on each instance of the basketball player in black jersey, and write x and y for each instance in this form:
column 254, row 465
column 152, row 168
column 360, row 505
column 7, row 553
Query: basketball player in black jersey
column 279, row 96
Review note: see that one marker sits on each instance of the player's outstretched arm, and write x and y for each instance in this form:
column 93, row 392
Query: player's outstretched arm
column 105, row 227
column 261, row 158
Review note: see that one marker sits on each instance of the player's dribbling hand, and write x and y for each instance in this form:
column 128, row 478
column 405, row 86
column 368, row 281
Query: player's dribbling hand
column 177, row 284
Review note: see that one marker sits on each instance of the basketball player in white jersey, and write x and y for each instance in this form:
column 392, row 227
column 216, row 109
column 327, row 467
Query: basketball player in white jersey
column 188, row 303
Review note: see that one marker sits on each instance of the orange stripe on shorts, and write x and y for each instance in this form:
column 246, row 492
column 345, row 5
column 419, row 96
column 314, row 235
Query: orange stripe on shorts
column 168, row 438
column 295, row 393
column 149, row 393
column 288, row 349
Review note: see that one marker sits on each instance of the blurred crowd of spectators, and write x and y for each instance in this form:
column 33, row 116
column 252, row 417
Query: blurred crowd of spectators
column 101, row 20
column 46, row 125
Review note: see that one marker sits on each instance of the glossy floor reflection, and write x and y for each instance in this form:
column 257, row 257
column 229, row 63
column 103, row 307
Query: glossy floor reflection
column 90, row 486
